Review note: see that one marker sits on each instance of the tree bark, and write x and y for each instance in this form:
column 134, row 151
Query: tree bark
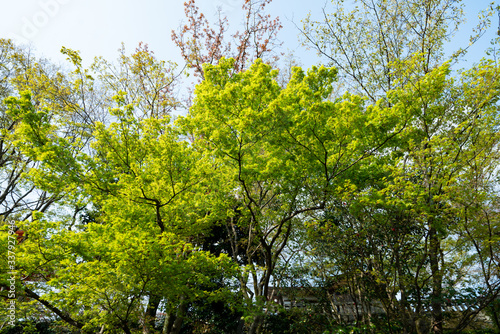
column 64, row 316
column 179, row 317
column 150, row 314
column 256, row 325
column 437, row 281
column 168, row 323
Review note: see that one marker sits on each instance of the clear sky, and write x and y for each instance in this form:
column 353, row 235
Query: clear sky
column 98, row 27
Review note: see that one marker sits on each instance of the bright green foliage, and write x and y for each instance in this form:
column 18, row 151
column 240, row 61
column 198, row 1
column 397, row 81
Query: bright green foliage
column 405, row 220
column 149, row 83
column 364, row 39
column 391, row 202
column 405, row 238
column 150, row 189
column 285, row 153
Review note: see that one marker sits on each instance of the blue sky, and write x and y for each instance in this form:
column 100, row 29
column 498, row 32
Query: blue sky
column 98, row 27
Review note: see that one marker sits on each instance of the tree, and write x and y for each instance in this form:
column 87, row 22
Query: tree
column 391, row 192
column 20, row 70
column 51, row 89
column 202, row 44
column 283, row 152
column 385, row 47
column 364, row 41
column 148, row 186
column 148, row 82
column 403, row 224
column 83, row 169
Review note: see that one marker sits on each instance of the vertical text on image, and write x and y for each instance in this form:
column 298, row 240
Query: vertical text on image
column 11, row 262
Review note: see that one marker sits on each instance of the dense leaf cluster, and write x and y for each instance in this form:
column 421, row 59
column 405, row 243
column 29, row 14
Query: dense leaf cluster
column 379, row 205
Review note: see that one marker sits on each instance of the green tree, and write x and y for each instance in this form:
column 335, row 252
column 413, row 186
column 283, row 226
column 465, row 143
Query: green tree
column 404, row 221
column 283, row 153
column 149, row 83
column 140, row 252
column 70, row 103
column 364, row 38
column 383, row 49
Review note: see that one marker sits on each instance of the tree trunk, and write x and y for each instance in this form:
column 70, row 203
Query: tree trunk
column 437, row 282
column 150, row 314
column 495, row 312
column 179, row 317
column 256, row 325
column 168, row 323
column 241, row 326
